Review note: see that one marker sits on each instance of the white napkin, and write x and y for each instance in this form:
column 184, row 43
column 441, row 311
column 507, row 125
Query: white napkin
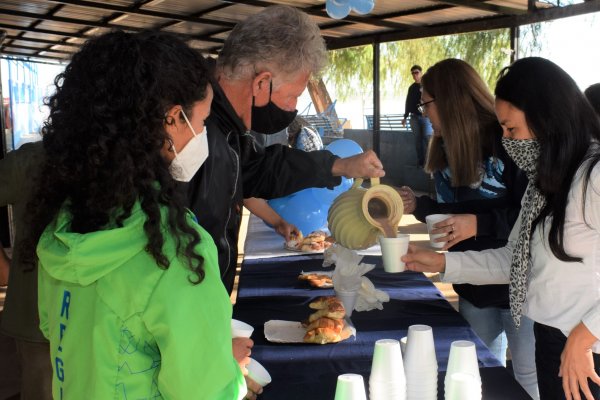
column 370, row 298
column 348, row 276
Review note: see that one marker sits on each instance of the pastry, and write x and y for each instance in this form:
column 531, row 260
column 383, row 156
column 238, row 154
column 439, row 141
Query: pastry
column 327, row 324
column 317, row 280
column 315, row 241
column 324, row 335
column 335, row 325
column 323, row 302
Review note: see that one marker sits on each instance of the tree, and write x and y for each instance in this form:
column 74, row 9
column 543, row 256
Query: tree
column 351, row 74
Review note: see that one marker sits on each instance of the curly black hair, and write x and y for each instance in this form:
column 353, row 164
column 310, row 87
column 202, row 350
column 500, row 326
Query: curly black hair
column 104, row 136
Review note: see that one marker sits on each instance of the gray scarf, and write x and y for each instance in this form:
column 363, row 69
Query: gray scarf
column 525, row 154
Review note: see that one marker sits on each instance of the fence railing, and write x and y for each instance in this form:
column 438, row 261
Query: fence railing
column 389, row 122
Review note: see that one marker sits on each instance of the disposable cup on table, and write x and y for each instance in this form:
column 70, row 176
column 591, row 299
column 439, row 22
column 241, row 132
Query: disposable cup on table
column 241, row 329
column 422, row 396
column 463, row 358
column 258, row 373
column 462, row 386
column 421, row 382
column 420, row 349
column 422, row 390
column 391, row 251
column 387, row 363
column 350, row 387
column 348, row 299
column 387, row 395
column 432, row 220
column 403, row 342
column 389, row 389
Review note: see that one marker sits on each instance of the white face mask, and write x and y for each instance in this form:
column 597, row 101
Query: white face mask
column 189, row 160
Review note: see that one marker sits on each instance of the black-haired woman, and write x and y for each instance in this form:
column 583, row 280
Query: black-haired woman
column 552, row 260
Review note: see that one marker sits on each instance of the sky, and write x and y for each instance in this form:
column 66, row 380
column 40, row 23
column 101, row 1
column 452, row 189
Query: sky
column 574, row 44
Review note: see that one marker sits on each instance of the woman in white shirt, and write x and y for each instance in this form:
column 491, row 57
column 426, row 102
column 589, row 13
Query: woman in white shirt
column 552, row 259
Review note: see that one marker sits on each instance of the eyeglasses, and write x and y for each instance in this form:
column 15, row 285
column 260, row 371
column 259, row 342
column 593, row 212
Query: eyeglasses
column 421, row 106
column 415, row 72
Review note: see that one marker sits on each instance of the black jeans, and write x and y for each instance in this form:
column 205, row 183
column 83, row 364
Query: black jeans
column 549, row 344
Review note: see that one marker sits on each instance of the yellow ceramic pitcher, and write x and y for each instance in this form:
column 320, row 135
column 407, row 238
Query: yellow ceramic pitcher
column 355, row 217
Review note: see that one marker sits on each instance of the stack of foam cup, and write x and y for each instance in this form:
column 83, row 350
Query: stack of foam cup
column 387, row 380
column 350, row 387
column 348, row 299
column 420, row 364
column 463, row 361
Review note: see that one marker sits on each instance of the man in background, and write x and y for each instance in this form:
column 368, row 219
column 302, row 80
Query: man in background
column 419, row 124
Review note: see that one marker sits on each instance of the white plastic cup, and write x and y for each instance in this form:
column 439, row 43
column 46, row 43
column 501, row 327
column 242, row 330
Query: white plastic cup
column 387, row 362
column 462, row 386
column 463, row 358
column 391, row 251
column 403, row 342
column 432, row 220
column 350, row 387
column 348, row 299
column 241, row 329
column 420, row 350
column 258, row 373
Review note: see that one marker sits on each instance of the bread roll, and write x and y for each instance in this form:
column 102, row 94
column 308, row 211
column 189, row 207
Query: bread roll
column 335, row 311
column 323, row 302
column 336, row 325
column 325, row 335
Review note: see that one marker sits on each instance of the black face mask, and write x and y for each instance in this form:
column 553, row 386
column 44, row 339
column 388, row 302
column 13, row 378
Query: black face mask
column 269, row 118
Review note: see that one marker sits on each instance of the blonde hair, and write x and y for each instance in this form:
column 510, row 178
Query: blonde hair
column 465, row 107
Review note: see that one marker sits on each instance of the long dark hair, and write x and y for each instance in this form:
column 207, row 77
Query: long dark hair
column 104, row 136
column 564, row 124
column 465, row 107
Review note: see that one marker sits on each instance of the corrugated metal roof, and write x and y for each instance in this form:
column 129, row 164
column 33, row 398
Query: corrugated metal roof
column 54, row 29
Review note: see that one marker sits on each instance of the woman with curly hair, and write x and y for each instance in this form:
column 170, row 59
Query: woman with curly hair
column 130, row 294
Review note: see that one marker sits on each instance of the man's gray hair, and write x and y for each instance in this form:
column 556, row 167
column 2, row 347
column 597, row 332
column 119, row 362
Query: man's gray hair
column 280, row 39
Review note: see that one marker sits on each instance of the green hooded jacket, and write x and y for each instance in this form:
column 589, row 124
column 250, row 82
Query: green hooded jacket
column 120, row 327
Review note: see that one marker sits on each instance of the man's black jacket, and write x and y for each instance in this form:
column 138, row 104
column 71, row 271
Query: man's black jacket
column 238, row 168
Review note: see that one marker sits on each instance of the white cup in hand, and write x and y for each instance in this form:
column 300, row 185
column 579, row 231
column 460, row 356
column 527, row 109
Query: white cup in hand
column 391, row 251
column 240, row 329
column 432, row 220
column 258, row 373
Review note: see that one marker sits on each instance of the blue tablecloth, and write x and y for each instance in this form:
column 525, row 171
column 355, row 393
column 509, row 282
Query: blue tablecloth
column 269, row 289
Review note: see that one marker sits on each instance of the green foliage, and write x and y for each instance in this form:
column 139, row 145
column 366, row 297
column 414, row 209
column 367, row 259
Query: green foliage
column 350, row 72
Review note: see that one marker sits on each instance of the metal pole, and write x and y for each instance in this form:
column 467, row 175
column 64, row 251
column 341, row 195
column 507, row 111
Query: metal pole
column 3, row 142
column 5, row 212
column 376, row 100
column 514, row 43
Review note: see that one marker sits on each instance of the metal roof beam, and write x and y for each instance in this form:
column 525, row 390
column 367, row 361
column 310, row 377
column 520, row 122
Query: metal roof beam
column 483, row 24
column 139, row 11
column 30, row 56
column 375, row 20
column 37, row 49
column 478, row 5
column 45, row 17
column 45, row 41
